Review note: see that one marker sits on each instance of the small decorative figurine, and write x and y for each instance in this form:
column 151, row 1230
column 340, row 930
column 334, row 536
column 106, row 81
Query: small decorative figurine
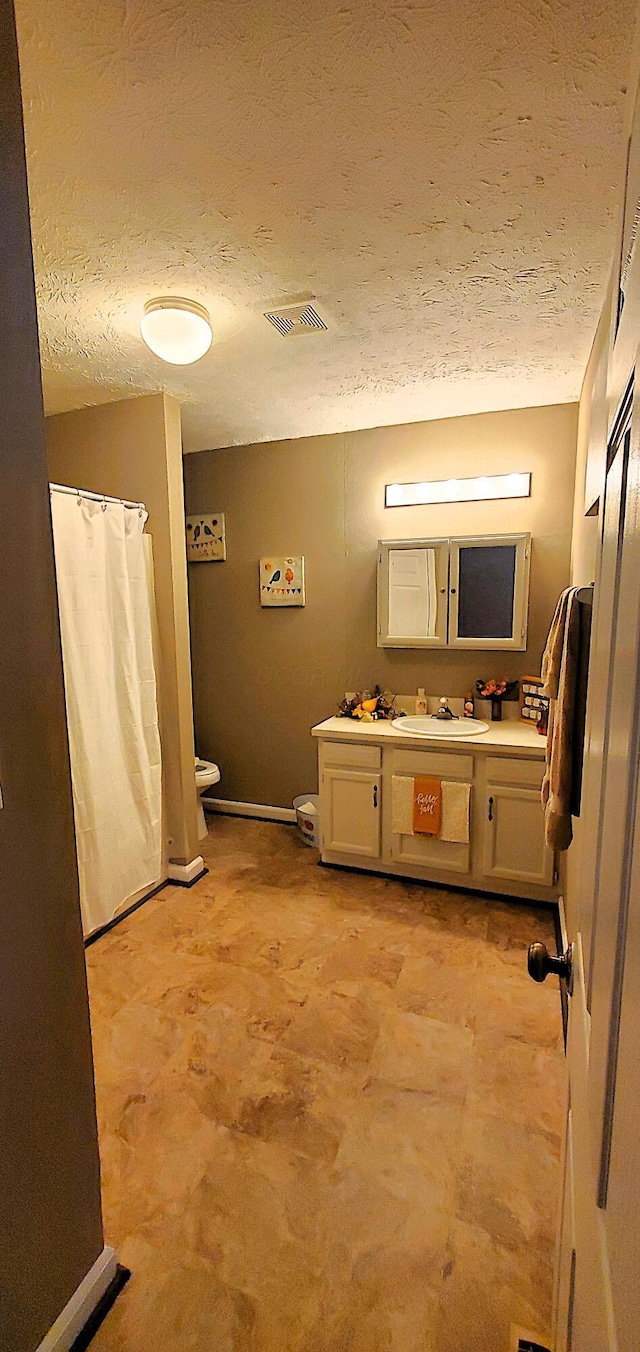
column 369, row 706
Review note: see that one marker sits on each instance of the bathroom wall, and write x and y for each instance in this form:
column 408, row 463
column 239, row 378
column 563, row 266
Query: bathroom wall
column 263, row 677
column 133, row 449
column 51, row 1227
column 590, row 472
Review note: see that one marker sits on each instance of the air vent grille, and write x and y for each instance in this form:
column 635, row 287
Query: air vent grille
column 294, row 320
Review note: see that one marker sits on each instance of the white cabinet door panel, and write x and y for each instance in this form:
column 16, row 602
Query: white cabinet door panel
column 351, row 812
column 431, row 853
column 413, row 597
column 514, row 843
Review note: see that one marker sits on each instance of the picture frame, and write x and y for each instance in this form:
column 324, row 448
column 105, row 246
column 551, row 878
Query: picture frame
column 282, row 580
column 206, row 537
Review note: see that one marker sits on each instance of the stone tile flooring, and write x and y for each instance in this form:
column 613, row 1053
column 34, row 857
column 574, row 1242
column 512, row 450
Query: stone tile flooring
column 330, row 1109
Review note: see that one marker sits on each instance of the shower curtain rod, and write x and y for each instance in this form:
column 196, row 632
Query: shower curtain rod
column 96, row 497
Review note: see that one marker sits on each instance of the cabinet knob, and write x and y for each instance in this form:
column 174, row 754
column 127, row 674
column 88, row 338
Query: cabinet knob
column 375, row 795
column 540, row 963
column 490, row 812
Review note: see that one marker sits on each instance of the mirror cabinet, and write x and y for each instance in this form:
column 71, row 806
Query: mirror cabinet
column 458, row 592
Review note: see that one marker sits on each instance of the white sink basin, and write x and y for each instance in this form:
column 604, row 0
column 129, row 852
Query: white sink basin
column 427, row 726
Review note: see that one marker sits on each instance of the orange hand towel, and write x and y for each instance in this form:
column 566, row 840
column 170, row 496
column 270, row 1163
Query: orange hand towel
column 427, row 805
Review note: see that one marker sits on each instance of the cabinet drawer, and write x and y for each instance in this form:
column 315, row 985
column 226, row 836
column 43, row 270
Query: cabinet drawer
column 444, row 764
column 350, row 754
column 503, row 770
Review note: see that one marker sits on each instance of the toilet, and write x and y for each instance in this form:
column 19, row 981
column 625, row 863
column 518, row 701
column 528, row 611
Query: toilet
column 207, row 773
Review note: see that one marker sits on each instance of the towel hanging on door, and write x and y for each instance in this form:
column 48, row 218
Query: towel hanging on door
column 456, row 805
column 427, row 805
column 560, row 675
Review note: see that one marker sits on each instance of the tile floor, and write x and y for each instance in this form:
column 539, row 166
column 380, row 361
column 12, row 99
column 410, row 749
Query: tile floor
column 330, row 1109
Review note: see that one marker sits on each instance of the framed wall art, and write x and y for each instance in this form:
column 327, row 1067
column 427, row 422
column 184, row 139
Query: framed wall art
column 206, row 539
column 282, row 581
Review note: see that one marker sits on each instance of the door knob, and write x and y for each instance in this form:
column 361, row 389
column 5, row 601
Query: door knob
column 540, row 963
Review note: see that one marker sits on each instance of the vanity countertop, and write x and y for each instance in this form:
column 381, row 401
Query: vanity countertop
column 508, row 736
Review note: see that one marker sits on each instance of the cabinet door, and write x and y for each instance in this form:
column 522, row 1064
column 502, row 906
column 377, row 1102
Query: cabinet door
column 489, row 591
column 413, row 581
column 351, row 809
column 514, row 843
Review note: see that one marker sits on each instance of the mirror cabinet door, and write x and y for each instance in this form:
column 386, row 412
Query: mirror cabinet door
column 413, row 598
column 412, row 594
column 488, row 592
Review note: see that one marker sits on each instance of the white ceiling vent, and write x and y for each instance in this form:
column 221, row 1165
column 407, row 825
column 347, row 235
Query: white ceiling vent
column 295, row 319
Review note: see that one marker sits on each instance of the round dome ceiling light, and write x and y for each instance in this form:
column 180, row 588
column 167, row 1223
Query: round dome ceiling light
column 177, row 330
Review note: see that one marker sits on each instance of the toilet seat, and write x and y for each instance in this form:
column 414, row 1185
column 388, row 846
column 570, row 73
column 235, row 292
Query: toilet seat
column 207, row 773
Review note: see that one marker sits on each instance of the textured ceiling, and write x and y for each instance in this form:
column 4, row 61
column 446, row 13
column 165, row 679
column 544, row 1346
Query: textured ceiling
column 440, row 176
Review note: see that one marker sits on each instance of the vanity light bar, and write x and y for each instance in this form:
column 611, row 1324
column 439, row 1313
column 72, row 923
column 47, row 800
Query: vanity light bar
column 483, row 488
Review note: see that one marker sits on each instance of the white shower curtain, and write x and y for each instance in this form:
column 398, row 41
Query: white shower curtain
column 107, row 647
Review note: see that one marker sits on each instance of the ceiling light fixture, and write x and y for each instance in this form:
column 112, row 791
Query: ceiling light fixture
column 482, row 489
column 177, row 330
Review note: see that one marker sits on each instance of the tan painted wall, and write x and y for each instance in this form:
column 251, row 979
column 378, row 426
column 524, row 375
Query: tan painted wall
column 132, row 449
column 50, row 1228
column 263, row 677
column 590, row 472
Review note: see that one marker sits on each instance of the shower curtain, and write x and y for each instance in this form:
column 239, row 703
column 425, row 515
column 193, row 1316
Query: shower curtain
column 106, row 624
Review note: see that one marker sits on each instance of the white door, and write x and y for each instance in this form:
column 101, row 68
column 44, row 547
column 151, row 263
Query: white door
column 514, row 843
column 597, row 1306
column 351, row 812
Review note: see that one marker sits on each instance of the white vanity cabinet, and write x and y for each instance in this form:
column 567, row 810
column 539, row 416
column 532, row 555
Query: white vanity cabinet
column 506, row 852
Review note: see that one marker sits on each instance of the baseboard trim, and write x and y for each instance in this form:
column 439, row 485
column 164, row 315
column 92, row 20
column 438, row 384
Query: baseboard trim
column 99, row 1314
column 122, row 915
column 229, row 808
column 177, row 882
column 80, row 1308
column 187, row 874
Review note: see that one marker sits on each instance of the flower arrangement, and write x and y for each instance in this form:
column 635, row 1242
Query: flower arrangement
column 496, row 691
column 368, row 706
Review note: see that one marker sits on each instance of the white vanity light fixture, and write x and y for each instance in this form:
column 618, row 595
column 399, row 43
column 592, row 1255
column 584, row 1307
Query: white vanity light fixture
column 482, row 489
column 176, row 330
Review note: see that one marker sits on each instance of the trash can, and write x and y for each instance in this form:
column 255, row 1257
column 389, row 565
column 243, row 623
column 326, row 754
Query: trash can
column 307, row 807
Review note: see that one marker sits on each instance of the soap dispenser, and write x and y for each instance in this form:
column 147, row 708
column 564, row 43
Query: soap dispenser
column 421, row 702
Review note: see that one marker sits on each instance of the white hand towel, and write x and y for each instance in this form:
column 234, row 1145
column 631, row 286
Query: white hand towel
column 402, row 805
column 455, row 811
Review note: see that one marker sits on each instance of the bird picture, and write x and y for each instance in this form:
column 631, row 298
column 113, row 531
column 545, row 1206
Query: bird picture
column 206, row 539
column 282, row 581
